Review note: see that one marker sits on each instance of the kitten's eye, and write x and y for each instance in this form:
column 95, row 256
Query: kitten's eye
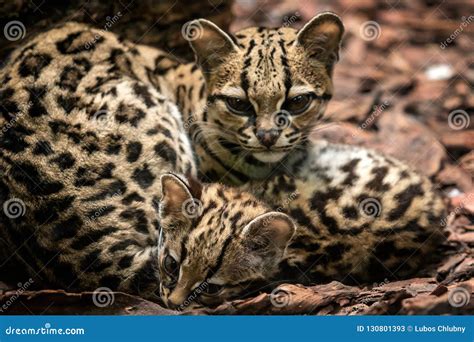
column 238, row 106
column 171, row 266
column 298, row 104
column 212, row 289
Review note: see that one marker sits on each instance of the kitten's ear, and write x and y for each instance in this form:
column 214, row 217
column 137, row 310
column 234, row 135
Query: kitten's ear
column 321, row 37
column 175, row 195
column 268, row 232
column 211, row 45
column 194, row 185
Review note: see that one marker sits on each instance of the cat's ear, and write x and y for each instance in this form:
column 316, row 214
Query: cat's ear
column 321, row 37
column 177, row 200
column 210, row 44
column 269, row 232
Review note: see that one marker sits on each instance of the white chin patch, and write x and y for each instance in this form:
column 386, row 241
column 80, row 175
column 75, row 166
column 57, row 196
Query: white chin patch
column 269, row 157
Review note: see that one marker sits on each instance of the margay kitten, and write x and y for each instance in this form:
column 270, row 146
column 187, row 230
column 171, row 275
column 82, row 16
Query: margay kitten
column 266, row 91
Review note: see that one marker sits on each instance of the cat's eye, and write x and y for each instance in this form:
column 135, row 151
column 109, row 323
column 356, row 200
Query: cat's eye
column 239, row 106
column 171, row 266
column 212, row 289
column 298, row 104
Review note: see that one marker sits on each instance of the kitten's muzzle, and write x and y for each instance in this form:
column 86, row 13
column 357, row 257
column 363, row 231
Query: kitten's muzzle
column 268, row 137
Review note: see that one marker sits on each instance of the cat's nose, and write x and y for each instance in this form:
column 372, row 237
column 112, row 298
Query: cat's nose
column 267, row 137
column 174, row 303
column 176, row 298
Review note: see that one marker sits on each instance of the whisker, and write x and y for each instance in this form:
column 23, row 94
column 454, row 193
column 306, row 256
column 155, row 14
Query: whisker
column 324, row 126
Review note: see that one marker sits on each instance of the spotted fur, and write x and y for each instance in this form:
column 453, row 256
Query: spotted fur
column 268, row 69
column 97, row 213
column 90, row 133
column 86, row 135
column 359, row 217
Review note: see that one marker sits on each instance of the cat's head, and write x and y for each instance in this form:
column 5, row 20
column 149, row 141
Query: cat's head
column 217, row 243
column 267, row 88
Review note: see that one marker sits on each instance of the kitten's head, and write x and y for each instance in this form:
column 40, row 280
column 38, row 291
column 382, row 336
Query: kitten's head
column 217, row 243
column 267, row 88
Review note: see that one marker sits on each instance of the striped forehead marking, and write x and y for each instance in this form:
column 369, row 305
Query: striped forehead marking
column 265, row 59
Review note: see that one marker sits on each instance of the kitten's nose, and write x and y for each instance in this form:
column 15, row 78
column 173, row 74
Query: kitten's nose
column 174, row 302
column 177, row 298
column 267, row 137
